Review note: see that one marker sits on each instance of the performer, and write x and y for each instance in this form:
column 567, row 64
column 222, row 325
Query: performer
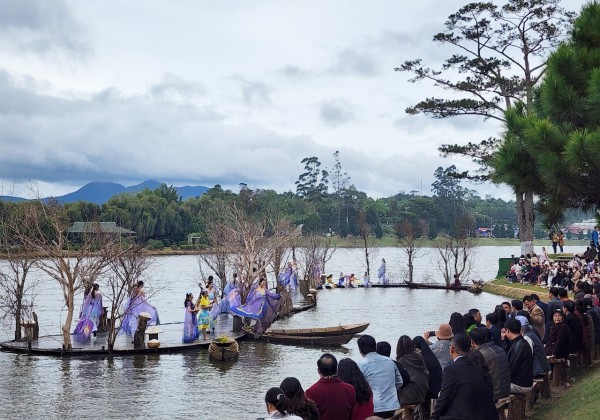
column 261, row 305
column 366, row 280
column 214, row 307
column 203, row 305
column 136, row 304
column 285, row 277
column 89, row 316
column 190, row 321
column 381, row 274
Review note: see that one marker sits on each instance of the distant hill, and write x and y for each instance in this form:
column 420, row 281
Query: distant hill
column 100, row 192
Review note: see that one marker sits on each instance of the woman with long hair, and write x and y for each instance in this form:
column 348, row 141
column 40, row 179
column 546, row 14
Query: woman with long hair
column 349, row 372
column 477, row 358
column 414, row 392
column 278, row 405
column 299, row 404
column 91, row 310
column 457, row 323
column 435, row 373
column 190, row 321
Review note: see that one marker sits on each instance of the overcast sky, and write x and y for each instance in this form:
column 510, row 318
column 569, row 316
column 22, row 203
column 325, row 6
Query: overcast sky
column 203, row 92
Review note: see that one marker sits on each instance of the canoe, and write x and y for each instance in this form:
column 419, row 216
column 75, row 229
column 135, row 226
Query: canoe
column 322, row 332
column 331, row 340
column 223, row 351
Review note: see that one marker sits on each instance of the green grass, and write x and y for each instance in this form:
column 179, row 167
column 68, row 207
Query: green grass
column 578, row 402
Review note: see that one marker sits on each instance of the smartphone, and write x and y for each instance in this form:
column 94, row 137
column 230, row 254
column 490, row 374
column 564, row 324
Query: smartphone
column 432, row 333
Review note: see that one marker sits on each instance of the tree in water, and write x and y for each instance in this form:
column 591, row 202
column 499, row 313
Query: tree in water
column 501, row 58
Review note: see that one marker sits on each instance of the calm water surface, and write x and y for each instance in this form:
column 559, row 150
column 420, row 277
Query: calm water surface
column 190, row 384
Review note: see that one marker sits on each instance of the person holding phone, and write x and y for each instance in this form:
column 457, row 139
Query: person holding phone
column 441, row 348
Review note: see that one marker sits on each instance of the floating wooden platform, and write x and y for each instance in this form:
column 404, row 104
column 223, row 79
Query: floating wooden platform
column 408, row 286
column 170, row 341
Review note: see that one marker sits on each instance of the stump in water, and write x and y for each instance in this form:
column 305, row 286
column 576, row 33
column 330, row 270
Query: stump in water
column 36, row 327
column 140, row 333
column 103, row 321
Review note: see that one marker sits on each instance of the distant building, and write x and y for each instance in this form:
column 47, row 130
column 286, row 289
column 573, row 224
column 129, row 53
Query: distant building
column 484, row 232
column 99, row 228
column 584, row 226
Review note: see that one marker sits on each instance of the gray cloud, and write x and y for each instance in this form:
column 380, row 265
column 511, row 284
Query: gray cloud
column 41, row 26
column 254, row 93
column 294, row 72
column 349, row 61
column 337, row 112
column 175, row 88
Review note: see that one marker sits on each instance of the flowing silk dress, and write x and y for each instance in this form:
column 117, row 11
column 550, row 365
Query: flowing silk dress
column 133, row 307
column 262, row 306
column 214, row 310
column 381, row 274
column 190, row 324
column 90, row 315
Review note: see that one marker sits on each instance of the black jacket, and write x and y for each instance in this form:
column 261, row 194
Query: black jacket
column 520, row 361
column 465, row 393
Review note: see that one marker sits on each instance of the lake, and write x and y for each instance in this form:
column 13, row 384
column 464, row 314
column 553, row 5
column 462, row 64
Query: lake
column 190, row 384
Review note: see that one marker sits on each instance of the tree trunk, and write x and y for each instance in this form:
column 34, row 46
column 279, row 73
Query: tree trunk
column 526, row 219
column 66, row 328
column 18, row 321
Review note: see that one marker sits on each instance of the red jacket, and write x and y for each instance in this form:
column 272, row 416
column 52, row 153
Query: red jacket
column 334, row 398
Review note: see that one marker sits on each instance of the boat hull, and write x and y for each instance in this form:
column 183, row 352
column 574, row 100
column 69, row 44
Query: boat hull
column 323, row 332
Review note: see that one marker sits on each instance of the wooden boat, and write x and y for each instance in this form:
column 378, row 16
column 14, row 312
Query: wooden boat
column 323, row 332
column 435, row 286
column 303, row 340
column 224, row 350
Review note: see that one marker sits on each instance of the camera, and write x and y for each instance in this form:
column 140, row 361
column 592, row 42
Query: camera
column 432, row 333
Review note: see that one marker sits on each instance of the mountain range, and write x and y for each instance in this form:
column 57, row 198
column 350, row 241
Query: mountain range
column 100, row 192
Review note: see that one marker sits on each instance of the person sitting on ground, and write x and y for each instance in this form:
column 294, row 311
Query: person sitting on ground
column 415, row 391
column 464, row 393
column 441, row 348
column 335, row 399
column 496, row 361
column 349, row 372
column 520, row 359
column 277, row 405
column 299, row 405
column 382, row 375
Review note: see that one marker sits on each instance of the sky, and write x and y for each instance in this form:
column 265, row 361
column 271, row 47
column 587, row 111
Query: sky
column 205, row 92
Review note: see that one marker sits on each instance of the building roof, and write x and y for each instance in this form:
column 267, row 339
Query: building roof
column 99, row 227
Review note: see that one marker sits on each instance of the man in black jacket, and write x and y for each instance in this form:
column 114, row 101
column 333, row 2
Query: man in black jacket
column 520, row 359
column 465, row 394
column 495, row 359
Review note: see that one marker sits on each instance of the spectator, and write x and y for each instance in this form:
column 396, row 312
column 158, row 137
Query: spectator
column 335, row 399
column 382, row 375
column 541, row 304
column 277, row 405
column 464, row 393
column 516, row 306
column 435, row 372
column 299, row 405
column 457, row 323
column 575, row 325
column 558, row 343
column 520, row 359
column 385, row 349
column 415, row 391
column 441, row 348
column 541, row 367
column 476, row 314
column 349, row 372
column 496, row 361
column 536, row 314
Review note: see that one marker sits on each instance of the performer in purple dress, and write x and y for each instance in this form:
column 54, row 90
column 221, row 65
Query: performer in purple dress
column 261, row 305
column 89, row 316
column 136, row 304
column 190, row 321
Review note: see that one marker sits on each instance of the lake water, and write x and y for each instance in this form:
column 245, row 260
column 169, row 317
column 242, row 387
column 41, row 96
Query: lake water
column 190, row 384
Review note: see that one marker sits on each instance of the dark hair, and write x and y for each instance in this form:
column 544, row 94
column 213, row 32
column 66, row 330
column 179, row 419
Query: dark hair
column 562, row 292
column 140, row 284
column 327, row 364
column 513, row 325
column 492, row 318
column 461, row 343
column 582, row 312
column 473, row 311
column 517, row 304
column 469, row 320
column 569, row 306
column 349, row 372
column 524, row 313
column 558, row 311
column 366, row 344
column 210, row 279
column 527, row 298
column 501, row 313
column 433, row 366
column 535, row 297
column 95, row 288
column 299, row 404
column 457, row 323
column 187, row 296
column 479, row 335
column 276, row 397
column 554, row 291
column 404, row 346
column 505, row 303
column 383, row 348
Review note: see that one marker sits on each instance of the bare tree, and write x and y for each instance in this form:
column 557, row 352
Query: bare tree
column 16, row 289
column 73, row 261
column 365, row 240
column 456, row 252
column 411, row 235
column 217, row 258
column 315, row 256
column 125, row 269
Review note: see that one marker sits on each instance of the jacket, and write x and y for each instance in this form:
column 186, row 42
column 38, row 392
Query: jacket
column 415, row 391
column 520, row 361
column 384, row 378
column 541, row 366
column 497, row 362
column 559, row 341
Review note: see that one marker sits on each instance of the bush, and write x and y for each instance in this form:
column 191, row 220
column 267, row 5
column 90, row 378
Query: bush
column 166, row 242
column 154, row 244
